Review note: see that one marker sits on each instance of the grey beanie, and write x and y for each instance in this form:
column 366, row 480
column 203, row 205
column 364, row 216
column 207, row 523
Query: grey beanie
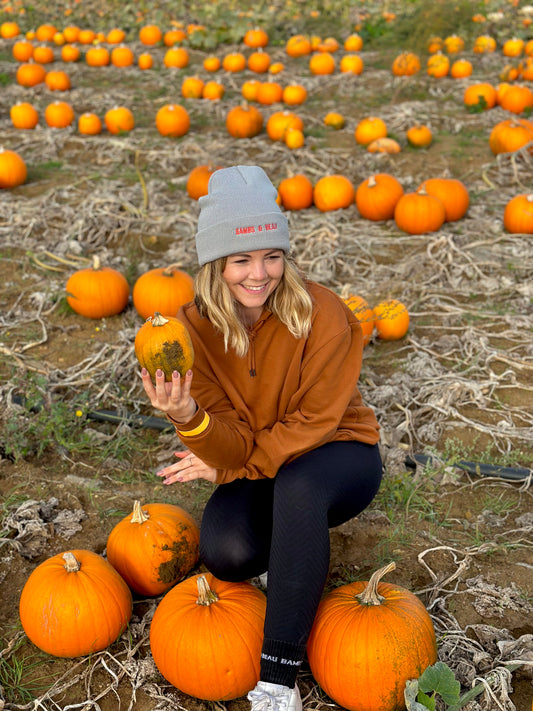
column 239, row 214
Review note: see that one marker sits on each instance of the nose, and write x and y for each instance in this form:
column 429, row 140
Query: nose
column 258, row 270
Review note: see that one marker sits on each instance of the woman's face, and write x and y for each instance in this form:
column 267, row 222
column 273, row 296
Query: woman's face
column 252, row 277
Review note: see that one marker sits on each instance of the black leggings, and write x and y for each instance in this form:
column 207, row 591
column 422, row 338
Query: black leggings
column 282, row 525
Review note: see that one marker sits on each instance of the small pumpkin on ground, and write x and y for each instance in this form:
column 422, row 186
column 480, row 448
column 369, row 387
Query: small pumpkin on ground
column 119, row 119
column 453, row 195
column 13, row 171
column 384, row 145
column 391, row 320
column 381, row 633
column 363, row 313
column 419, row 136
column 154, row 547
column 164, row 343
column 244, row 121
column 97, row 292
column 214, row 626
column 196, row 185
column 172, row 120
column 369, row 129
column 296, row 192
column 333, row 192
column 518, row 214
column 418, row 212
column 376, row 197
column 24, row 115
column 75, row 603
column 163, row 289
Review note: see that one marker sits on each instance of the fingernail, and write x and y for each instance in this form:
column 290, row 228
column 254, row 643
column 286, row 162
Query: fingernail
column 144, row 371
column 175, row 374
column 159, row 372
column 189, row 373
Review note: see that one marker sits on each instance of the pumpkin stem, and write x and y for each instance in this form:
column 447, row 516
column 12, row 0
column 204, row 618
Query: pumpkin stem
column 96, row 262
column 169, row 271
column 157, row 319
column 138, row 515
column 72, row 564
column 371, row 182
column 206, row 596
column 370, row 595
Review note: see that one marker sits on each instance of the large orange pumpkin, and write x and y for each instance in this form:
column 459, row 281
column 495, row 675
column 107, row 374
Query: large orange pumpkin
column 154, row 547
column 510, row 135
column 164, row 289
column 367, row 640
column 164, row 343
column 376, row 197
column 206, row 637
column 97, row 292
column 75, row 603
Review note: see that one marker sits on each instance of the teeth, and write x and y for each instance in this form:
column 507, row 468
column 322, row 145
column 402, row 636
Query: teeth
column 255, row 288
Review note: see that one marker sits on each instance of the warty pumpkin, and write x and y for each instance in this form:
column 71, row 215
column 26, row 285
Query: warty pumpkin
column 164, row 343
column 163, row 289
column 97, row 292
column 367, row 640
column 360, row 308
column 376, row 197
column 391, row 319
column 154, row 547
column 214, row 647
column 75, row 603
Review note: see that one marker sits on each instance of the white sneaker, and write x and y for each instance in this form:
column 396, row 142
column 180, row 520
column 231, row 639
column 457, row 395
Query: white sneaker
column 274, row 697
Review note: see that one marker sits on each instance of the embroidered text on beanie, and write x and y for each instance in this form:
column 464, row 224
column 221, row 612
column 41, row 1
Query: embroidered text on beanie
column 239, row 214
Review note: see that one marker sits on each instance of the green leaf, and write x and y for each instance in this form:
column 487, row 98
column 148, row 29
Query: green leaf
column 413, row 696
column 440, row 679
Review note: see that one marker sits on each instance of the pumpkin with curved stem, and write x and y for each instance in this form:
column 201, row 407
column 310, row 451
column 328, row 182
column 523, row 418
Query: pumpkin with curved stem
column 376, row 197
column 217, row 627
column 13, row 171
column 363, row 313
column 418, row 213
column 333, row 192
column 97, row 292
column 391, row 320
column 75, row 603
column 453, row 195
column 296, row 192
column 367, row 640
column 518, row 214
column 154, row 547
column 163, row 289
column 172, row 120
column 164, row 343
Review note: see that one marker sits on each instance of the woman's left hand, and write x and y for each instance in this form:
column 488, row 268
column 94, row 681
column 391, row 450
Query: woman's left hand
column 188, row 468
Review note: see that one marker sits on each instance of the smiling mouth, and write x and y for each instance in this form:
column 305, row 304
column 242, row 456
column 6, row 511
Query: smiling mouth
column 255, row 289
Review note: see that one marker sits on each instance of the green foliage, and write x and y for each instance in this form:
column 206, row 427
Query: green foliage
column 5, row 79
column 15, row 670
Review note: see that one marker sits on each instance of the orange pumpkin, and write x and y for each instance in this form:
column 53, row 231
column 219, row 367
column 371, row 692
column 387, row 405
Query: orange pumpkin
column 353, row 43
column 70, row 53
column 172, row 120
column 244, row 121
column 298, row 46
column 406, row 64
column 89, row 124
column 43, row 54
column 24, row 115
column 250, row 89
column 419, row 136
column 192, row 88
column 97, row 56
column 8, row 30
column 453, row 195
column 363, row 313
column 114, row 36
column 369, row 129
column 97, row 292
column 59, row 114
column 518, row 214
column 296, row 192
column 30, row 74
column 294, row 138
column 211, row 63
column 391, row 320
column 150, row 35
column 172, row 37
column 75, row 603
column 383, row 636
column 259, row 61
column 294, row 94
column 145, row 61
column 269, row 92
column 255, row 37
column 280, row 121
column 176, row 57
column 163, row 289
column 122, row 56
column 510, row 135
column 384, row 145
column 333, row 192
column 213, row 90
column 22, row 50
column 57, row 81
column 217, row 627
column 13, row 171
column 322, row 63
column 418, row 213
column 438, row 65
column 351, row 64
column 196, row 186
column 154, row 547
column 461, row 68
column 376, row 197
column 119, row 119
column 517, row 99
column 335, row 120
column 164, row 343
column 480, row 96
column 234, row 62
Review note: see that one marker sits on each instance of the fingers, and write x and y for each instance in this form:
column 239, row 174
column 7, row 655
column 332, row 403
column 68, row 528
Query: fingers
column 168, row 395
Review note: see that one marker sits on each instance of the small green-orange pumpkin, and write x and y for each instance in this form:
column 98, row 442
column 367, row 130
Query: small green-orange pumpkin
column 154, row 547
column 367, row 640
column 164, row 289
column 97, row 292
column 164, row 343
column 206, row 637
column 75, row 603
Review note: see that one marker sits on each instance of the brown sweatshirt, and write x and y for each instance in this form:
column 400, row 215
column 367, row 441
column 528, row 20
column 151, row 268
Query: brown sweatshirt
column 285, row 397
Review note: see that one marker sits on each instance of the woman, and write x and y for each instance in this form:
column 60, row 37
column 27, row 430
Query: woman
column 272, row 413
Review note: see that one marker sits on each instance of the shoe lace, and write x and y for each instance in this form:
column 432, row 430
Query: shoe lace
column 263, row 701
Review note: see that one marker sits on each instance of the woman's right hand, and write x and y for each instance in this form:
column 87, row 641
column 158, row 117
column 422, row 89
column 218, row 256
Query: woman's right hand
column 174, row 397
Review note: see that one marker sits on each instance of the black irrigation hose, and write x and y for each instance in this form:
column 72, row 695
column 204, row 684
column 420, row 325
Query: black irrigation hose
column 476, row 468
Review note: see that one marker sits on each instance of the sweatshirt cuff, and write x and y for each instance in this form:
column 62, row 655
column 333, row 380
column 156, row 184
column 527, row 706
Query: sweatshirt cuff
column 195, row 426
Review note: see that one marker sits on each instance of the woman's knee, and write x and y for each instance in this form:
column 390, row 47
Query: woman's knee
column 231, row 558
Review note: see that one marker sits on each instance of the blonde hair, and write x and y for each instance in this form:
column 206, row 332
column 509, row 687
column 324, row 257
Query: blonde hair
column 290, row 302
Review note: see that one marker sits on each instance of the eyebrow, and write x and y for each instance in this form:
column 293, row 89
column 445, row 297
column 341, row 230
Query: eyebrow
column 248, row 254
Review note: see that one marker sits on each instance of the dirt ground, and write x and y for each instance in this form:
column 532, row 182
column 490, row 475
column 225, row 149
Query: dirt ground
column 457, row 386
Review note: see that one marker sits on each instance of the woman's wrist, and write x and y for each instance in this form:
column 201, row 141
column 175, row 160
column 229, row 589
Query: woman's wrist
column 182, row 418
